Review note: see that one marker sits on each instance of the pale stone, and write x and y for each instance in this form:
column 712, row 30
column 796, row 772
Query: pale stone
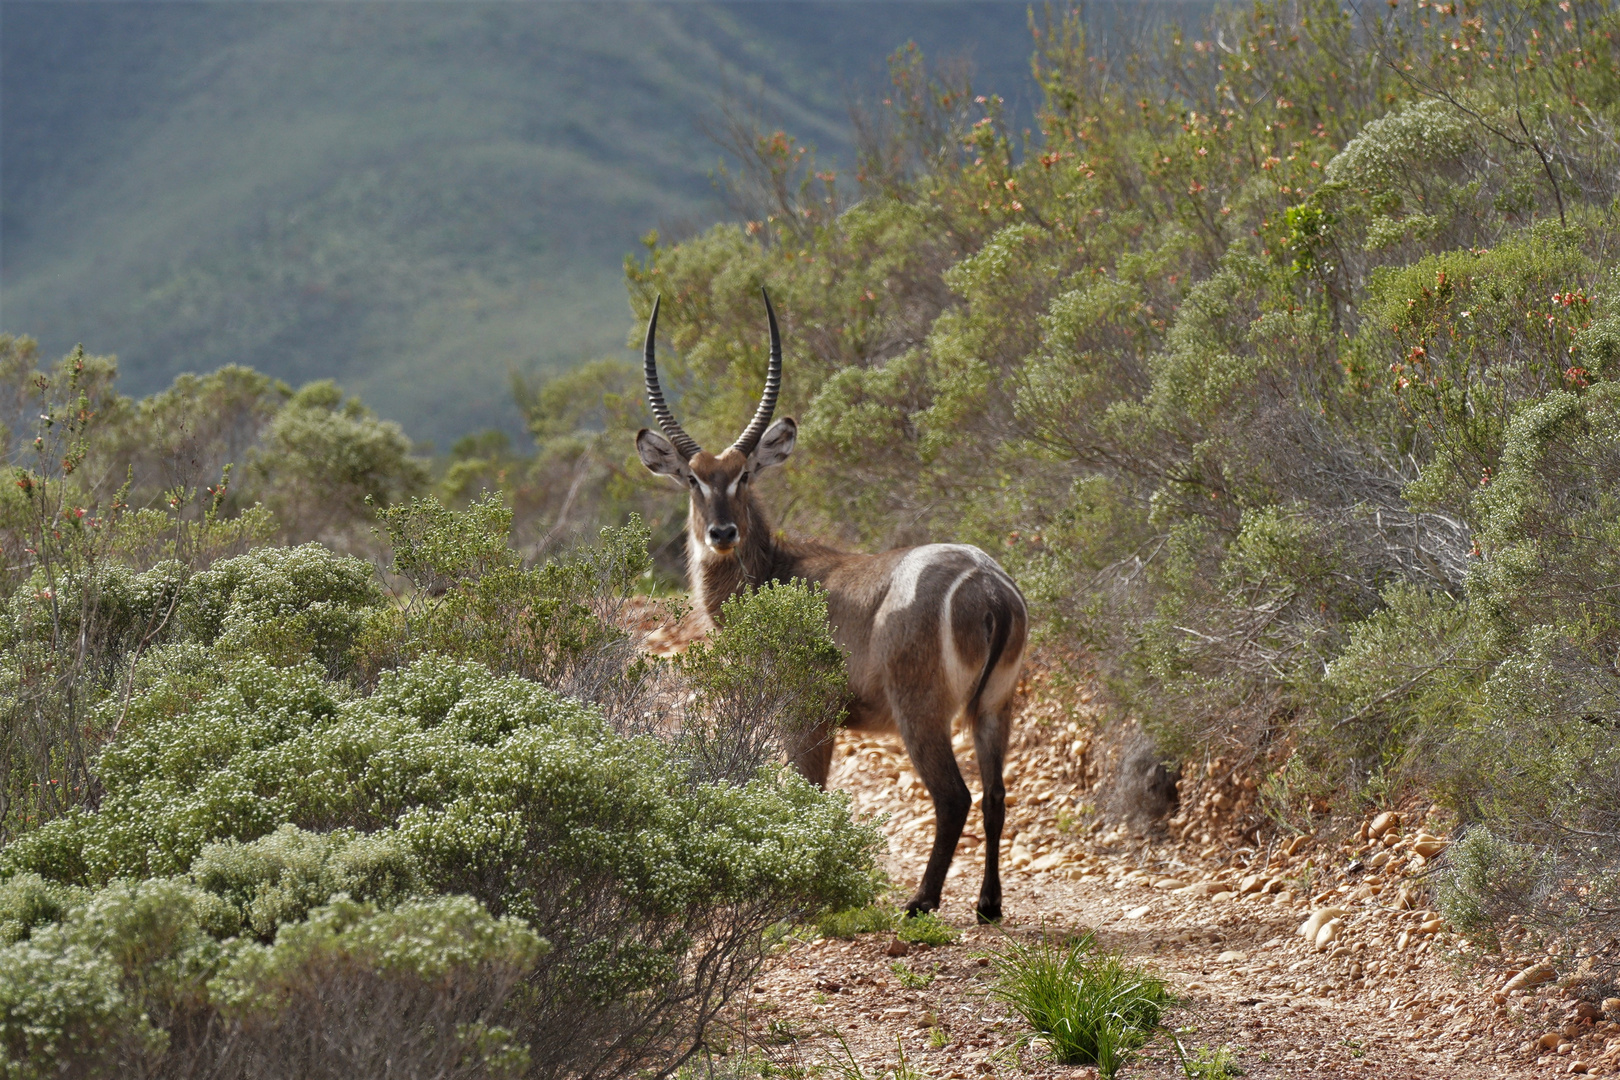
column 1428, row 846
column 1328, row 933
column 1383, row 823
column 1201, row 889
column 1431, row 926
column 1137, row 913
column 1231, row 956
column 1611, row 1004
column 1049, row 861
column 1534, row 975
column 1169, row 883
column 1251, row 884
column 1319, row 918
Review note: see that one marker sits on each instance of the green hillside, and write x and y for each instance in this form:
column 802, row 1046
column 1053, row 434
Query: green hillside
column 412, row 199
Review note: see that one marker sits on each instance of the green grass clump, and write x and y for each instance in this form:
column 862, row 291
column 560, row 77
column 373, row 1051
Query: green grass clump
column 926, row 928
column 1091, row 1008
column 1211, row 1064
column 909, row 977
column 872, row 919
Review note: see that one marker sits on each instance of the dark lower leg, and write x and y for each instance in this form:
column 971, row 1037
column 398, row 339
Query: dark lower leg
column 990, row 747
column 936, row 764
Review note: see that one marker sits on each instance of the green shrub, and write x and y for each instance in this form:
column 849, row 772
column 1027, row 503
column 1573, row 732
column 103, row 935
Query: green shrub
column 927, row 928
column 909, row 977
column 869, row 919
column 557, row 624
column 768, row 678
column 1488, row 880
column 279, row 878
column 470, row 783
column 1090, row 1008
column 103, row 992
column 63, row 1006
column 28, row 901
column 1212, row 1064
column 352, row 990
column 287, row 603
column 325, row 457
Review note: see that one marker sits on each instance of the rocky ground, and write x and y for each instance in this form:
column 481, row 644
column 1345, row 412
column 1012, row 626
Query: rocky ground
column 1383, row 990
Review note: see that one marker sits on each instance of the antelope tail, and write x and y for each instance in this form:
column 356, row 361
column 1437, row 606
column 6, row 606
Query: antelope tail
column 998, row 624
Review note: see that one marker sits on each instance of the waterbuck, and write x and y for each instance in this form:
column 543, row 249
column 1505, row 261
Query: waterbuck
column 930, row 631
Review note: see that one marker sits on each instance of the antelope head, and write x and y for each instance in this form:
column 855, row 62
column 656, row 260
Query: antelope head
column 723, row 515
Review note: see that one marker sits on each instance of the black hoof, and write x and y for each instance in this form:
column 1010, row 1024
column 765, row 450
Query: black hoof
column 917, row 906
column 988, row 913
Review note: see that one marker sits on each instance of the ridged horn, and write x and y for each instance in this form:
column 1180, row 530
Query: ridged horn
column 684, row 444
column 773, row 384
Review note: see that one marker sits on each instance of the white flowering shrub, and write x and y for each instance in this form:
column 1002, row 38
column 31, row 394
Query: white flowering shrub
column 104, row 991
column 322, row 831
column 412, row 991
column 285, row 602
column 768, row 678
column 279, row 792
column 279, row 878
column 147, row 979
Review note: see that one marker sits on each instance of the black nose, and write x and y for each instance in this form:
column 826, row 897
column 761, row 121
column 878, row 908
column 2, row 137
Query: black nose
column 722, row 535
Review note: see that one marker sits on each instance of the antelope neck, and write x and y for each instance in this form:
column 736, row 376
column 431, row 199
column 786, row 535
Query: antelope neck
column 715, row 578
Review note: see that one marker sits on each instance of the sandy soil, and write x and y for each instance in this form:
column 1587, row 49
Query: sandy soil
column 1388, row 998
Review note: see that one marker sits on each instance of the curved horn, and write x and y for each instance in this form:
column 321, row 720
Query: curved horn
column 684, row 443
column 773, row 383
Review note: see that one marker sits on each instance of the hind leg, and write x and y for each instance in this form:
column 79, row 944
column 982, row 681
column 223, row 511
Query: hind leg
column 928, row 740
column 811, row 752
column 991, row 731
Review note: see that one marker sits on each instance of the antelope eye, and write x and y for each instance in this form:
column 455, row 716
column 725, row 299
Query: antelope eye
column 743, row 479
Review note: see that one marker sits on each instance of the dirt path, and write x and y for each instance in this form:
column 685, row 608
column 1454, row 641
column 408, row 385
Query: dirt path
column 1380, row 1001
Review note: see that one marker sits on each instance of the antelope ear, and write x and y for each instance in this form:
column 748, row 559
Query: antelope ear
column 660, row 456
column 775, row 445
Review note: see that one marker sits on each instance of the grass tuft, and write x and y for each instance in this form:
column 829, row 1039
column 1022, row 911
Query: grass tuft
column 926, row 928
column 872, row 919
column 909, row 977
column 1090, row 1008
column 1212, row 1064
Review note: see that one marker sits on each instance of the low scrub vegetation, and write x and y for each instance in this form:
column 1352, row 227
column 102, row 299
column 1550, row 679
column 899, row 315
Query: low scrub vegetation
column 286, row 812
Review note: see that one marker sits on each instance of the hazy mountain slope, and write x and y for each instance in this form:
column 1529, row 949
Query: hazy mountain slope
column 411, row 198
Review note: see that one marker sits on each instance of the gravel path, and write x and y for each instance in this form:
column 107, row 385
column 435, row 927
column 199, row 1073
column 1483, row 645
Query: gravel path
column 1380, row 1000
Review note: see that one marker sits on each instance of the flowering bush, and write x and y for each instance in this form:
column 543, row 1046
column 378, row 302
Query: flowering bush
column 384, row 824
